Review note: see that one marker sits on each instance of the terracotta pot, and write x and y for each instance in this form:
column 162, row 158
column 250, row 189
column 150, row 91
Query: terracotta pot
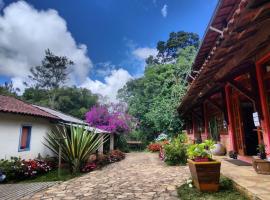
column 205, row 175
column 219, row 150
column 261, row 166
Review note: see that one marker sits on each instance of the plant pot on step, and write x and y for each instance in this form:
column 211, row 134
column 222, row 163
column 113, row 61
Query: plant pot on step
column 205, row 175
column 261, row 166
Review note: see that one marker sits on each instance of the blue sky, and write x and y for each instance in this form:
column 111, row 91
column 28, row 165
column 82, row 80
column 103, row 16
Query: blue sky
column 112, row 30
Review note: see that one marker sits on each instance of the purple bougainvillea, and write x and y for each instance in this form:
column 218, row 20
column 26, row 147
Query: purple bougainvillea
column 113, row 119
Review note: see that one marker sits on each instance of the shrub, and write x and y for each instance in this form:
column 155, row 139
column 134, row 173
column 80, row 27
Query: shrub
column 17, row 169
column 76, row 146
column 89, row 167
column 201, row 152
column 116, row 156
column 113, row 156
column 154, row 147
column 175, row 152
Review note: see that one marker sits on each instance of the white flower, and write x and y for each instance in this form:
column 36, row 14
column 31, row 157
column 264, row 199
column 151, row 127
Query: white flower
column 190, row 185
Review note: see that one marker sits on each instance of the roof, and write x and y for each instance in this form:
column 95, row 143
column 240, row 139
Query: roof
column 70, row 120
column 246, row 38
column 60, row 115
column 13, row 105
column 219, row 20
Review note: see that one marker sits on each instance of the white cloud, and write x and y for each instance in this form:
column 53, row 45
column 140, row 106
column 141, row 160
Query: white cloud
column 104, row 68
column 164, row 10
column 27, row 32
column 113, row 82
column 145, row 52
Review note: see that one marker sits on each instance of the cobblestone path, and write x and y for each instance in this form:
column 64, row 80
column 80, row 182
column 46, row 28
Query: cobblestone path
column 139, row 176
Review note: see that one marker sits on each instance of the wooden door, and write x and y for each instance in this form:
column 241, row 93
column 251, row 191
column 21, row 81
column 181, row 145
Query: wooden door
column 238, row 125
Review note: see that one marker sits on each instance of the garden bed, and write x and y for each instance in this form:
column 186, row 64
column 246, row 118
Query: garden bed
column 53, row 176
column 226, row 192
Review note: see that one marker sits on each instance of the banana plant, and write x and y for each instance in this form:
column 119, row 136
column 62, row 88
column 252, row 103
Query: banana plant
column 77, row 144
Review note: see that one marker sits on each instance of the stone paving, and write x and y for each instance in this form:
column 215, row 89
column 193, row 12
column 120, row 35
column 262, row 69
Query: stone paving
column 139, row 176
column 20, row 190
column 255, row 186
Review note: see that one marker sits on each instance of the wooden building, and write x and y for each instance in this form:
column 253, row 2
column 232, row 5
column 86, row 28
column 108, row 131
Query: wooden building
column 229, row 87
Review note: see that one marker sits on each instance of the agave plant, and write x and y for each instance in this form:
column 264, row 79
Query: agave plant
column 76, row 145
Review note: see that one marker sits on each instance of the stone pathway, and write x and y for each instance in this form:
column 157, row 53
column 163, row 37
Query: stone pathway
column 20, row 190
column 255, row 186
column 139, row 176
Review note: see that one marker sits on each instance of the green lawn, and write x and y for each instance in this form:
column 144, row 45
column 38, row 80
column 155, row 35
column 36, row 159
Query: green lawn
column 53, row 176
column 226, row 192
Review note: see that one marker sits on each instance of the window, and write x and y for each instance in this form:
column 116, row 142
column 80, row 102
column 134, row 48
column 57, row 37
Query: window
column 25, row 136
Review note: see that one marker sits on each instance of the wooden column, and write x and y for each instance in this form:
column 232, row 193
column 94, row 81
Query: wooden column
column 101, row 148
column 111, row 142
column 206, row 120
column 193, row 127
column 265, row 122
column 230, row 118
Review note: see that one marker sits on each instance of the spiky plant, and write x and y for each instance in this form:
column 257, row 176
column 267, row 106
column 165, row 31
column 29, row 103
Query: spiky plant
column 76, row 145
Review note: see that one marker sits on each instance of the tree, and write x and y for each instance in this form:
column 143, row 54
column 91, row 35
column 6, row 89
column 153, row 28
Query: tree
column 169, row 51
column 51, row 74
column 70, row 100
column 109, row 119
column 8, row 89
column 153, row 98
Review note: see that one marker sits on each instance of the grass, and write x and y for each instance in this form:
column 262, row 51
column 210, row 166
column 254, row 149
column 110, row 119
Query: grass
column 226, row 192
column 53, row 176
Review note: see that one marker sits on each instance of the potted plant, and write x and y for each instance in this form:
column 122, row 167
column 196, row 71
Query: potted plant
column 260, row 164
column 261, row 149
column 204, row 170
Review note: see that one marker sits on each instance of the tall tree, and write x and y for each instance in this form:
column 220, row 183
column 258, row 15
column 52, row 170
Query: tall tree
column 169, row 51
column 154, row 97
column 51, row 74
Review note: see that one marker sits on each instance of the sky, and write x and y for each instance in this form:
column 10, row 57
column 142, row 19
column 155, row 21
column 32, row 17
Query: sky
column 108, row 40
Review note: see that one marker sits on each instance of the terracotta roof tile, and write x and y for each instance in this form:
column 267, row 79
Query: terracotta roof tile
column 13, row 105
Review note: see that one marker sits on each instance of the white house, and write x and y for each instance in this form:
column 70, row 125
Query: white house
column 23, row 127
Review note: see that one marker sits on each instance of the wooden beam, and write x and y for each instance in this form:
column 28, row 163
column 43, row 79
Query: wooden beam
column 242, row 90
column 215, row 104
column 196, row 115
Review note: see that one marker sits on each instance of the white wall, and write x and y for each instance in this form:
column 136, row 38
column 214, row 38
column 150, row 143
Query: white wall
column 10, row 127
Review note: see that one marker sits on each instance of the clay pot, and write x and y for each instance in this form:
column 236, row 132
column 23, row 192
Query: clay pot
column 219, row 150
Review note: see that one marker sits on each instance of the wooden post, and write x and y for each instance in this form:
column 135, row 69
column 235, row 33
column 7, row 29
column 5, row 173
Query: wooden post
column 111, row 142
column 205, row 120
column 230, row 118
column 100, row 150
column 59, row 161
column 265, row 122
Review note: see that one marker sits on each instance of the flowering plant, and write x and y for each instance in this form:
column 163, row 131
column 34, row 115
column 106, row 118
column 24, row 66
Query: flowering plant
column 89, row 167
column 153, row 147
column 114, row 120
column 17, row 169
column 33, row 167
column 116, row 156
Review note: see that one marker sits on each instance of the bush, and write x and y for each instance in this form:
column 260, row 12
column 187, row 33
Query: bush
column 116, row 155
column 77, row 145
column 154, row 147
column 16, row 169
column 89, row 167
column 175, row 152
column 121, row 143
column 113, row 156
